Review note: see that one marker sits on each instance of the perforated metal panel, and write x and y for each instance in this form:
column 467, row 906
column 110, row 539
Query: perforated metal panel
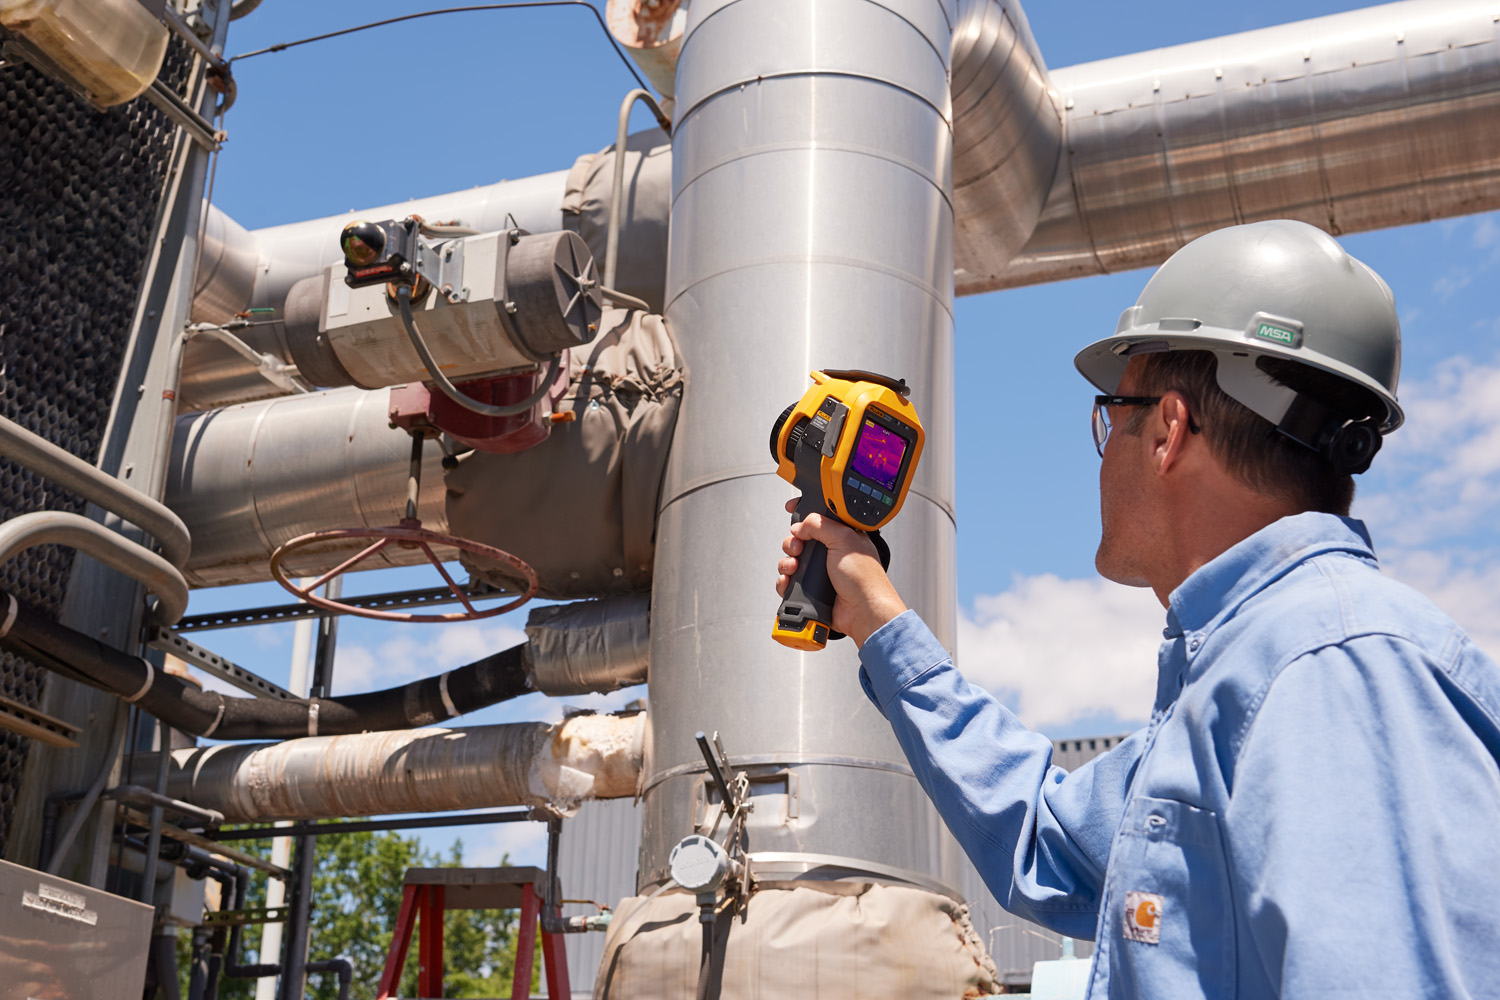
column 77, row 209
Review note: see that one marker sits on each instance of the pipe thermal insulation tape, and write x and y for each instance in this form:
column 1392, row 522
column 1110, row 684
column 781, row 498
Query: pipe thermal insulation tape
column 589, row 646
column 554, row 767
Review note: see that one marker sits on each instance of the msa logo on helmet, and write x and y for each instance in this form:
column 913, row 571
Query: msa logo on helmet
column 1278, row 334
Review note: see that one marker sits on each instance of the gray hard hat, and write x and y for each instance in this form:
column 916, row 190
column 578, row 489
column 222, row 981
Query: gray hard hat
column 1281, row 289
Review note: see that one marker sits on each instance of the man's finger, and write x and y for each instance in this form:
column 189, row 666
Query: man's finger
column 791, row 545
column 791, row 505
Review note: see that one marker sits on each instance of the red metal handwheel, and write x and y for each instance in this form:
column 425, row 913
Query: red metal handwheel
column 408, row 534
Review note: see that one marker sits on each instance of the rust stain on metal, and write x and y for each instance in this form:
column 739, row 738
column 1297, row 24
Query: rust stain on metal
column 643, row 24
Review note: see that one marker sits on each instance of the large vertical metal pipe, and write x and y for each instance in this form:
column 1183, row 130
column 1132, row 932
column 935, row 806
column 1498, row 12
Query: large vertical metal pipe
column 812, row 226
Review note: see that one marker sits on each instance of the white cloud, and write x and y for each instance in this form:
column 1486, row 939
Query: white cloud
column 1439, row 475
column 418, row 651
column 1062, row 650
column 525, row 843
column 1486, row 233
column 1451, row 283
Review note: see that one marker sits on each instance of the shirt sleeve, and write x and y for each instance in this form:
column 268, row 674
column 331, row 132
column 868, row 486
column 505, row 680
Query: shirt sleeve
column 1038, row 835
column 1360, row 828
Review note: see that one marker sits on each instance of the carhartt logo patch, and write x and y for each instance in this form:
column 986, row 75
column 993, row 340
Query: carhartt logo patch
column 1143, row 912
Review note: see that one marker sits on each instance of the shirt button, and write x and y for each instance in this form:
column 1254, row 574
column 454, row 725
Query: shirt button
column 1193, row 645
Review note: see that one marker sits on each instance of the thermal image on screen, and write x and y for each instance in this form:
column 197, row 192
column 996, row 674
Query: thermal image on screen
column 877, row 454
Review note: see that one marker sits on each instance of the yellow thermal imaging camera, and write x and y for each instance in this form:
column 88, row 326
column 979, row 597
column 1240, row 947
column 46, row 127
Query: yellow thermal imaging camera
column 851, row 445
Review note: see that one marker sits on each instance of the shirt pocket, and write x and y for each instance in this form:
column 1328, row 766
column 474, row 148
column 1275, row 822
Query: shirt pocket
column 1170, row 918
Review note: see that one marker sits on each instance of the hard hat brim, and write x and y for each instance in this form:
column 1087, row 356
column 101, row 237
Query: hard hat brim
column 1103, row 362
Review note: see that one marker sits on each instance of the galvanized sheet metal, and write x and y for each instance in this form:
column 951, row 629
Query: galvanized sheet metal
column 1378, row 117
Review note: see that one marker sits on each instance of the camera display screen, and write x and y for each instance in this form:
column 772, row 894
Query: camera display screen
column 878, row 453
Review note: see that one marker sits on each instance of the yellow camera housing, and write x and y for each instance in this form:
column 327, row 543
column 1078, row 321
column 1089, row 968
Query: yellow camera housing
column 851, row 445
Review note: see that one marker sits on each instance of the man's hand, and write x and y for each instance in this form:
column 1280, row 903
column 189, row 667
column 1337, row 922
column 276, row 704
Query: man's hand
column 866, row 599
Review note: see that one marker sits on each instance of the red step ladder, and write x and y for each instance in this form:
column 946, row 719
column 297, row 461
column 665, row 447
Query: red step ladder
column 430, row 891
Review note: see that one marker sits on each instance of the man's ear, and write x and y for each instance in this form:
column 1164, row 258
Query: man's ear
column 1171, row 430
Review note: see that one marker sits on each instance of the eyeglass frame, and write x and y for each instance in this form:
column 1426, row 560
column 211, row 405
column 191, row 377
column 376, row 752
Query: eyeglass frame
column 1099, row 422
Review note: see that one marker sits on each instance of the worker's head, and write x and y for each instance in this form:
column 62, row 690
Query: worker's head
column 1277, row 352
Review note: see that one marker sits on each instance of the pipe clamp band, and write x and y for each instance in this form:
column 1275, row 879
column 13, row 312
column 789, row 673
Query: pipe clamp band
column 15, row 609
column 217, row 719
column 312, row 717
column 150, row 679
column 453, row 712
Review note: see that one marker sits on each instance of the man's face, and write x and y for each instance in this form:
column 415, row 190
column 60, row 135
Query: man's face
column 1125, row 504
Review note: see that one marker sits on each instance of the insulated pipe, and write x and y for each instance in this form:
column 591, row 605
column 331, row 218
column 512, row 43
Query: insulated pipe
column 182, row 705
column 553, row 767
column 812, row 226
column 1007, row 136
column 54, row 527
column 260, row 474
column 1377, row 117
column 73, row 474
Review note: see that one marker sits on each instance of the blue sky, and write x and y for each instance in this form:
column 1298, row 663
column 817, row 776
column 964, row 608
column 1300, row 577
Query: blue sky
column 452, row 102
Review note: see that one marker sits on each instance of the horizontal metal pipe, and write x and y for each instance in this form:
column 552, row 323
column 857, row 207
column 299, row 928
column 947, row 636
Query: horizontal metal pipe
column 1007, row 136
column 373, row 825
column 554, row 767
column 256, row 475
column 182, row 705
column 77, row 476
column 52, row 527
column 1378, row 117
column 142, row 796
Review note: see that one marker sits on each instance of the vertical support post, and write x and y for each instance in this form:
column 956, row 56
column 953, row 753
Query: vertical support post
column 531, row 911
column 294, row 957
column 555, row 964
column 412, row 898
column 430, row 944
column 153, row 838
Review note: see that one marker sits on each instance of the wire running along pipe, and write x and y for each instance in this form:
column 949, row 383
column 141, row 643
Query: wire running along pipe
column 283, row 46
column 616, row 194
column 453, row 392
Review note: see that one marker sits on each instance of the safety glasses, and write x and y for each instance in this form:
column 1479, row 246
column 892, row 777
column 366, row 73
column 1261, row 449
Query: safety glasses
column 1100, row 422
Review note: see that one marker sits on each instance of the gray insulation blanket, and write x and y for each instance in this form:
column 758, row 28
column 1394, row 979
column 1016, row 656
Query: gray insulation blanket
column 581, row 506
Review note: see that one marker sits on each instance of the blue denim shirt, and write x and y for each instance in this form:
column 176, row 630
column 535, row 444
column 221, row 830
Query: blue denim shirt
column 1313, row 809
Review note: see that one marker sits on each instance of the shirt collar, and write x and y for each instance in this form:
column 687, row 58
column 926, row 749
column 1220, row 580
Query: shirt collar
column 1218, row 587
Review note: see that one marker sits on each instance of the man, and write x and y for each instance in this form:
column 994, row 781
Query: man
column 1314, row 807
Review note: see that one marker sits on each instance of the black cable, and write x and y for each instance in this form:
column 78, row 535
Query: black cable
column 282, row 46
